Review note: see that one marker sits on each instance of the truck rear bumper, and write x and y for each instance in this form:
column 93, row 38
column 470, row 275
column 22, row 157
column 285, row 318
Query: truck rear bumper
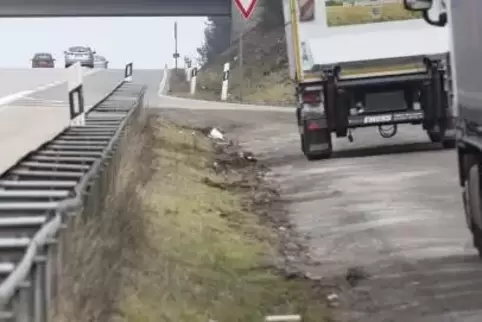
column 385, row 118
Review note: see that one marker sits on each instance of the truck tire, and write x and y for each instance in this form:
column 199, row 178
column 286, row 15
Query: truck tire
column 302, row 140
column 449, row 144
column 435, row 137
column 473, row 206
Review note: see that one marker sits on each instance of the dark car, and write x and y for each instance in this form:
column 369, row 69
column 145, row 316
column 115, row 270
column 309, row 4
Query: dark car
column 43, row 60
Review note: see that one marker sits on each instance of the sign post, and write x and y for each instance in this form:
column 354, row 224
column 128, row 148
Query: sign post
column 246, row 9
column 176, row 54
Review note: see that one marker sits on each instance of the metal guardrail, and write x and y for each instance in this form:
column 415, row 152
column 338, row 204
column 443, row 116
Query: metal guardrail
column 41, row 192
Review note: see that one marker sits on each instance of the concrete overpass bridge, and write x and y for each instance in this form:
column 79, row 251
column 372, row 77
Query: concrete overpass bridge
column 114, row 8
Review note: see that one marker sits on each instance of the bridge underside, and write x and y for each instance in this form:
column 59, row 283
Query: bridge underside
column 114, row 8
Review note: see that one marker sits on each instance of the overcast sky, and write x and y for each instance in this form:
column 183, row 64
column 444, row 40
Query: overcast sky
column 147, row 42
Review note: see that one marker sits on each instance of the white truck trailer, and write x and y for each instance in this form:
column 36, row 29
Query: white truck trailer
column 378, row 74
column 463, row 20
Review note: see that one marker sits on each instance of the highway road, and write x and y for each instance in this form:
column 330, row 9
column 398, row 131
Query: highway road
column 390, row 208
column 34, row 106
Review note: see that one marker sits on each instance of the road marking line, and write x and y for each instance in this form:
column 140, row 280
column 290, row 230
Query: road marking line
column 23, row 94
column 13, row 97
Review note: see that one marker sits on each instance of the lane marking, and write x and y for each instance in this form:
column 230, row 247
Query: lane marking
column 13, row 97
column 23, row 94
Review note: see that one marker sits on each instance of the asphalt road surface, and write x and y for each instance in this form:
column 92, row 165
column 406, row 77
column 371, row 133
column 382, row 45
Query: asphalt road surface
column 35, row 109
column 17, row 80
column 97, row 85
column 390, row 207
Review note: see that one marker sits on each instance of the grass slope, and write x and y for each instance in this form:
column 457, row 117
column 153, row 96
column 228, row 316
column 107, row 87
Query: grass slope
column 266, row 80
column 205, row 254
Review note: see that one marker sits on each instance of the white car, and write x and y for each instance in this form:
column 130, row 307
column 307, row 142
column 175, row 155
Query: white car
column 84, row 55
column 100, row 62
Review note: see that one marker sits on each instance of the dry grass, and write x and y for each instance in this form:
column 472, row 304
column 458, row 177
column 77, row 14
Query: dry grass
column 273, row 88
column 266, row 80
column 98, row 240
column 341, row 16
column 204, row 255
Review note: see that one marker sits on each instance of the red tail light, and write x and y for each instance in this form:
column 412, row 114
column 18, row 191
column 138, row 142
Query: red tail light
column 311, row 97
column 313, row 126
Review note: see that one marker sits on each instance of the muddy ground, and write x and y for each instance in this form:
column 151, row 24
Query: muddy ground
column 382, row 219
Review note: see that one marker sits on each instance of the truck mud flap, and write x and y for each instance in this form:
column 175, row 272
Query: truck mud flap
column 330, row 93
column 336, row 106
column 433, row 101
column 341, row 113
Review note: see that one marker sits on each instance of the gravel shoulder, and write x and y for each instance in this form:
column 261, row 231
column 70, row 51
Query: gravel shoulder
column 382, row 219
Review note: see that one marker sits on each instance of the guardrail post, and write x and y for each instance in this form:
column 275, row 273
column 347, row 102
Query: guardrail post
column 59, row 258
column 51, row 274
column 39, row 285
column 22, row 303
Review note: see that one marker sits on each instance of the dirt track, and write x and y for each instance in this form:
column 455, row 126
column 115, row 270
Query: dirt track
column 391, row 208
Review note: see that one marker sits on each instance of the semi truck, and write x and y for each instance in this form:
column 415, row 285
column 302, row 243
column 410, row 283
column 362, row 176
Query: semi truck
column 379, row 74
column 462, row 18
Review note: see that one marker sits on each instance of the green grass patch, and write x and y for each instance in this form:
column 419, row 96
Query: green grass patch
column 204, row 255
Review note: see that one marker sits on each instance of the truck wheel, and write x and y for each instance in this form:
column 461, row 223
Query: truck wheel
column 317, row 155
column 434, row 136
column 473, row 206
column 449, row 144
column 302, row 140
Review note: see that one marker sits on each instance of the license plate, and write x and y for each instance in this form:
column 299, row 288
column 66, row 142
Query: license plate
column 377, row 119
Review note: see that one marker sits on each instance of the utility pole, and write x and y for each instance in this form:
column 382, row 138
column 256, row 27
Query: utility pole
column 176, row 54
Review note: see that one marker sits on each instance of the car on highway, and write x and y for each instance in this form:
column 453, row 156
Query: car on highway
column 100, row 61
column 82, row 54
column 43, row 60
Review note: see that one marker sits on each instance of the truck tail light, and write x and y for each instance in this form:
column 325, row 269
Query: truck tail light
column 311, row 98
column 313, row 126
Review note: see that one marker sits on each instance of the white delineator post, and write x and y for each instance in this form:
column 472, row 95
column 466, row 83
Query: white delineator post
column 188, row 70
column 188, row 73
column 76, row 95
column 193, row 80
column 224, row 88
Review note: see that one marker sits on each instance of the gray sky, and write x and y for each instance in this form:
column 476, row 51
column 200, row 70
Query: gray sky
column 147, row 42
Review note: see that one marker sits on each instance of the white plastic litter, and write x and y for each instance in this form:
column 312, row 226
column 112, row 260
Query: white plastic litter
column 216, row 134
column 282, row 318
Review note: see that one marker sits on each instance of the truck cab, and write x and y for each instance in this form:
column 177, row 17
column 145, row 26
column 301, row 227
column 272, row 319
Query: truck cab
column 462, row 18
